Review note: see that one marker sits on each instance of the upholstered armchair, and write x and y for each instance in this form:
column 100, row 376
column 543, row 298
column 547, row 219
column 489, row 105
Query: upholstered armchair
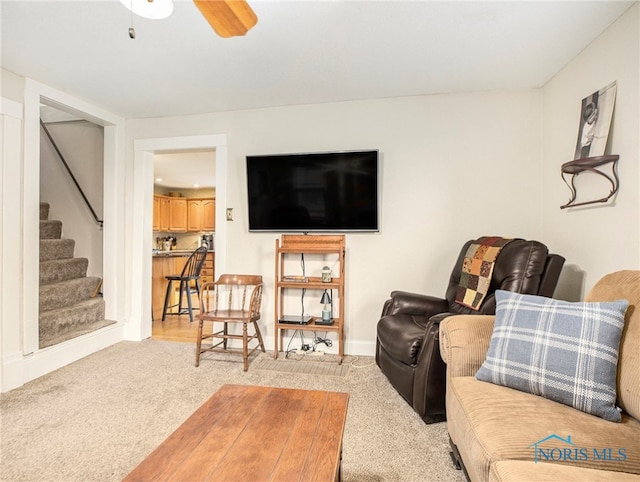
column 407, row 343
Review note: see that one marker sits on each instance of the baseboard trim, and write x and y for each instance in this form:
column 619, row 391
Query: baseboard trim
column 363, row 348
column 355, row 348
column 27, row 368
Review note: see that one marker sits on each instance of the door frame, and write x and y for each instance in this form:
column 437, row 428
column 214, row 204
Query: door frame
column 22, row 359
column 140, row 325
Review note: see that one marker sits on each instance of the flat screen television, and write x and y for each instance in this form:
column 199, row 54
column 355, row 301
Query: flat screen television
column 314, row 192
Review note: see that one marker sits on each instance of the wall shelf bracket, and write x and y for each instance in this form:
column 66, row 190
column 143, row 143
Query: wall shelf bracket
column 590, row 164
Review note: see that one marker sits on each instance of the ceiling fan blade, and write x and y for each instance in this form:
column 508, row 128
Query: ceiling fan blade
column 229, row 18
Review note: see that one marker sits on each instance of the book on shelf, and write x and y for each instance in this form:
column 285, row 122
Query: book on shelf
column 299, row 279
column 295, row 319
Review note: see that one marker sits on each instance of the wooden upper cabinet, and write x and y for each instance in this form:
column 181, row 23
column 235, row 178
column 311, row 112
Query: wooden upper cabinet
column 156, row 213
column 160, row 213
column 201, row 214
column 165, row 213
column 208, row 214
column 183, row 214
column 178, row 215
column 194, row 214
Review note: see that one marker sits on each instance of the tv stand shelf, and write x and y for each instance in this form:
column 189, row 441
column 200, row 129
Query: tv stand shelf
column 329, row 245
column 312, row 282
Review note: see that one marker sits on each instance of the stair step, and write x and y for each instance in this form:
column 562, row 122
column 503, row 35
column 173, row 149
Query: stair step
column 44, row 211
column 50, row 229
column 71, row 321
column 62, row 269
column 51, row 249
column 68, row 292
column 67, row 309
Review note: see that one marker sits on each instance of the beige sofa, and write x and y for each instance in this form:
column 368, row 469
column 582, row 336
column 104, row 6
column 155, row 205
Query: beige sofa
column 499, row 433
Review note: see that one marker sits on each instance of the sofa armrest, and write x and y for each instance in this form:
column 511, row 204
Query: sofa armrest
column 464, row 341
column 403, row 302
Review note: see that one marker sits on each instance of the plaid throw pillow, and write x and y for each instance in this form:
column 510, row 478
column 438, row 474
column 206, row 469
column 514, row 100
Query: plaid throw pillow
column 566, row 352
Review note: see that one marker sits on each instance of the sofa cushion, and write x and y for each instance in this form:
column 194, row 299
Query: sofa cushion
column 567, row 352
column 490, row 422
column 514, row 470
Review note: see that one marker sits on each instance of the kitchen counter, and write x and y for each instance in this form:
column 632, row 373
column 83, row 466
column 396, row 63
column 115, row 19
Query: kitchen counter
column 174, row 253
column 170, row 263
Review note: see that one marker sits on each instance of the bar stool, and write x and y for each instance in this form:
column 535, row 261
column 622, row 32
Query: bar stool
column 190, row 273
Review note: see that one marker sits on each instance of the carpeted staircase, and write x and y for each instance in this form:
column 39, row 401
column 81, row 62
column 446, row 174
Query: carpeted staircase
column 70, row 304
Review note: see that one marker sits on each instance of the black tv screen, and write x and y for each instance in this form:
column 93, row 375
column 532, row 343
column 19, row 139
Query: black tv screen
column 327, row 191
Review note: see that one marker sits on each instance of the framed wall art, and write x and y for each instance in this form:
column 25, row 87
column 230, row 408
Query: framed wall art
column 595, row 120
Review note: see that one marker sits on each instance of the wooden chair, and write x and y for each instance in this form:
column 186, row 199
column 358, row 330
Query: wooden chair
column 190, row 274
column 233, row 298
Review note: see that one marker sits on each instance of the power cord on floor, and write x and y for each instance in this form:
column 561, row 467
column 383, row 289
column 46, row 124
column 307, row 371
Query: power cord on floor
column 356, row 358
column 289, row 350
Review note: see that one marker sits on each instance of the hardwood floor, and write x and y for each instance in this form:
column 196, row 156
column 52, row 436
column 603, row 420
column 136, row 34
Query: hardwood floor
column 175, row 328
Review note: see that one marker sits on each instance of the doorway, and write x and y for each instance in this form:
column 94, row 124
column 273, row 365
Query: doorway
column 24, row 338
column 182, row 178
column 142, row 236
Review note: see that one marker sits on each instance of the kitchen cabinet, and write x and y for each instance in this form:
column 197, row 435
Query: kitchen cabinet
column 156, row 213
column 178, row 215
column 194, row 214
column 160, row 213
column 201, row 214
column 208, row 214
column 164, row 213
column 208, row 270
column 171, row 264
column 163, row 266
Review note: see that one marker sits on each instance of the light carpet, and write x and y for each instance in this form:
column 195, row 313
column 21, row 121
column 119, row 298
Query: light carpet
column 97, row 418
column 319, row 366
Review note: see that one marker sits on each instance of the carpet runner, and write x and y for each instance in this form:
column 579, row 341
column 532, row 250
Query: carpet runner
column 69, row 302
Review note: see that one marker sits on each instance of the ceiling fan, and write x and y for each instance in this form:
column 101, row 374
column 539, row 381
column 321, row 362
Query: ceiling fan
column 229, row 18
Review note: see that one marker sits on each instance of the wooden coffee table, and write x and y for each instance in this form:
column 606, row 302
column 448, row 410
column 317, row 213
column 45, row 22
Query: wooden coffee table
column 249, row 433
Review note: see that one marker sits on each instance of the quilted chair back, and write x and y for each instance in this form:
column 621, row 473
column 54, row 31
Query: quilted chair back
column 521, row 266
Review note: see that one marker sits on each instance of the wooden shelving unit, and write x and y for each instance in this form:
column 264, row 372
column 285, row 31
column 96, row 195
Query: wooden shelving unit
column 329, row 245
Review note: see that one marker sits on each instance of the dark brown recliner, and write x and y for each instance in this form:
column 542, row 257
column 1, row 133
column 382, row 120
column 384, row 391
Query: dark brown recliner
column 407, row 343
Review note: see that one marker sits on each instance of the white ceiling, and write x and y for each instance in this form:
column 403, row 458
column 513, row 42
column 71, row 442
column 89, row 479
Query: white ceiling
column 300, row 52
column 185, row 170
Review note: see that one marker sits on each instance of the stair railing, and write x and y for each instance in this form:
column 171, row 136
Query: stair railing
column 73, row 178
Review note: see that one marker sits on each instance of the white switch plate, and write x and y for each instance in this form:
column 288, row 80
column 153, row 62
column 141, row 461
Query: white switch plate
column 229, row 214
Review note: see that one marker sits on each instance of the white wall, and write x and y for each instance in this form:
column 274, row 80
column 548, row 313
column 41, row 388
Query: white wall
column 12, row 86
column 82, row 145
column 11, row 246
column 596, row 239
column 20, row 356
column 453, row 167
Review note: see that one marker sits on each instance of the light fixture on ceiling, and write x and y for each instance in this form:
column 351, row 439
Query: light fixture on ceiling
column 229, row 18
column 152, row 9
